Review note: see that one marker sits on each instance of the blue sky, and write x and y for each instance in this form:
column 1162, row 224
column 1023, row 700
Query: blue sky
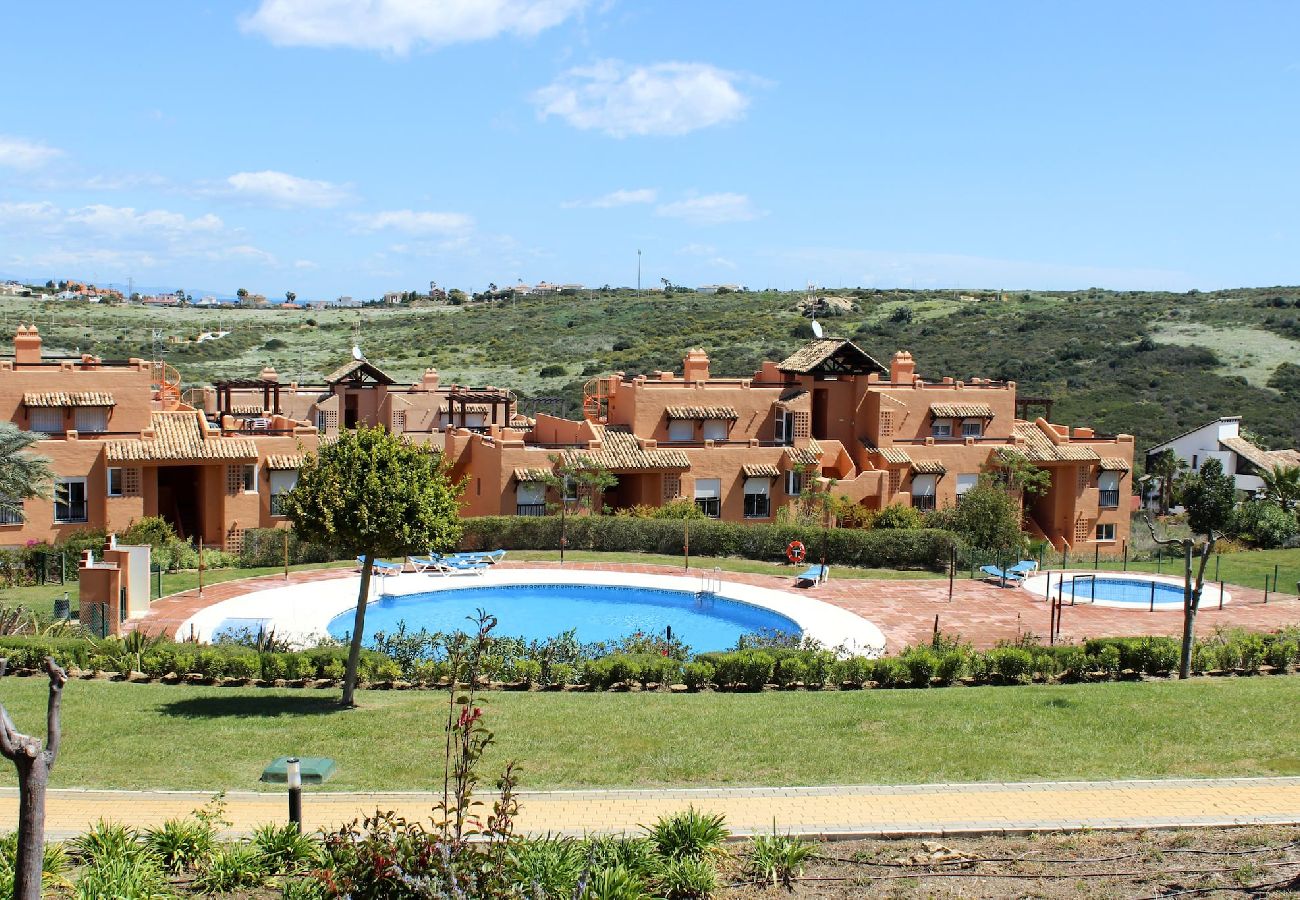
column 333, row 147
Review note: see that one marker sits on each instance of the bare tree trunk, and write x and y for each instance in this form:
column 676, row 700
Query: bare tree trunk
column 34, row 764
column 358, row 631
column 1189, row 615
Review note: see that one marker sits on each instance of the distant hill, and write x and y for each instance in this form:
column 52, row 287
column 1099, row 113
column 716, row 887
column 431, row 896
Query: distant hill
column 1150, row 364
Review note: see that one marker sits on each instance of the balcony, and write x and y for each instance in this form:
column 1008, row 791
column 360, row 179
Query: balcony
column 923, row 502
column 1108, row 499
column 530, row 509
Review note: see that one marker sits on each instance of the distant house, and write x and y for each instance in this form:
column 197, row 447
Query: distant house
column 1222, row 440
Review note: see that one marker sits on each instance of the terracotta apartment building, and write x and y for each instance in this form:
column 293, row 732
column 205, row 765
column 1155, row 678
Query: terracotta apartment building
column 125, row 445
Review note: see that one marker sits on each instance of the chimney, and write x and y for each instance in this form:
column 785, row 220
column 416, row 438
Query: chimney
column 695, row 366
column 269, row 374
column 27, row 346
column 902, row 368
column 430, row 380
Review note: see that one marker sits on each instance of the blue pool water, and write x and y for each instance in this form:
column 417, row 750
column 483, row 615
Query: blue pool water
column 596, row 612
column 1135, row 591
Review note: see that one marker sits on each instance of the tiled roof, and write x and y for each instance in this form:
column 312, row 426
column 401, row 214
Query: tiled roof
column 622, row 453
column 68, row 398
column 819, row 352
column 805, row 456
column 1263, row 459
column 359, row 366
column 284, row 461
column 701, row 412
column 961, row 410
column 532, row 474
column 1114, row 464
column 928, row 467
column 895, row 456
column 760, row 470
column 179, row 435
column 1037, row 447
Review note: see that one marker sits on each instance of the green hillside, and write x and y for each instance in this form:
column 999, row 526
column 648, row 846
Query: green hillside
column 1151, row 364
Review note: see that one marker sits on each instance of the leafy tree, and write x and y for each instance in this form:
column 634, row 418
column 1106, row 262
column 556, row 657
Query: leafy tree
column 896, row 515
column 1209, row 497
column 1020, row 475
column 1165, row 467
column 585, row 482
column 1282, row 486
column 242, row 294
column 988, row 519
column 373, row 494
column 290, row 296
column 23, row 475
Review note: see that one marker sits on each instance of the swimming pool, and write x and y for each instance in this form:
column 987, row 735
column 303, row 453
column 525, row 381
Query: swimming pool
column 703, row 621
column 1119, row 590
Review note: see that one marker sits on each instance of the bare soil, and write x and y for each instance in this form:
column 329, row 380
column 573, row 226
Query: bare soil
column 1198, row 863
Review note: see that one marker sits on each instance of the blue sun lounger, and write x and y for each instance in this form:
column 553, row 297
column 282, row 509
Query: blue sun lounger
column 813, row 575
column 1014, row 574
column 491, row 557
column 440, row 565
column 379, row 567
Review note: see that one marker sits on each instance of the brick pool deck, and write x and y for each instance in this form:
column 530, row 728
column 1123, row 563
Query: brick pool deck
column 905, row 611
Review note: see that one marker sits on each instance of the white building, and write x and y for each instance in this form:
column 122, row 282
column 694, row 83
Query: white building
column 1222, row 440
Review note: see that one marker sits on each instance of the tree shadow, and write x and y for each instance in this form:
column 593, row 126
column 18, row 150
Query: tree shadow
column 250, row 707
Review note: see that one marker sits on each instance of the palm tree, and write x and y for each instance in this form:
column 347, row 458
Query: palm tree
column 22, row 473
column 1282, row 486
column 1165, row 467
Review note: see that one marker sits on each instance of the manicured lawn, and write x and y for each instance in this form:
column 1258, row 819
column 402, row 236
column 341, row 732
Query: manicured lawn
column 707, row 563
column 155, row 736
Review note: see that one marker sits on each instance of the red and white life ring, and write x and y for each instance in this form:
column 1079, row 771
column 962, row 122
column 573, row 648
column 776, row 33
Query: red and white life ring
column 796, row 552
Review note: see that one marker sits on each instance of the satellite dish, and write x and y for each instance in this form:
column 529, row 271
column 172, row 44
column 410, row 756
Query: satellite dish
column 817, row 329
column 356, row 354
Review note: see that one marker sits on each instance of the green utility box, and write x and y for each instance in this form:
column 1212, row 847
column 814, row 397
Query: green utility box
column 315, row 770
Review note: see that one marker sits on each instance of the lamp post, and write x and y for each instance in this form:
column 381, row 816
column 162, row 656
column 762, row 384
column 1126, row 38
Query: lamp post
column 826, row 530
column 293, row 776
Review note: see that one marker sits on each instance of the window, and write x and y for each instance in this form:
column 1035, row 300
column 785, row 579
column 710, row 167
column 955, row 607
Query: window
column 1085, row 477
column 250, row 478
column 91, row 419
column 708, row 496
column 1108, row 493
column 11, row 512
column 131, row 482
column 46, row 421
column 972, row 429
column 794, row 483
column 672, row 487
column 1106, row 531
column 784, row 433
column 924, row 488
column 530, row 498
column 1196, row 460
column 965, row 483
column 70, row 500
column 942, row 428
column 115, row 488
column 681, row 430
column 886, row 423
column 282, row 481
column 570, row 489
column 757, row 503
column 715, row 429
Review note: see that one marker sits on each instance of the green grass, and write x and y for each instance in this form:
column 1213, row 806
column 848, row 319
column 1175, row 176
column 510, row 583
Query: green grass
column 1247, row 568
column 1252, row 353
column 708, row 563
column 155, row 736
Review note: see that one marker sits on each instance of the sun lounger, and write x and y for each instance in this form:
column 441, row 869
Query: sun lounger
column 812, row 575
column 379, row 567
column 1005, row 575
column 491, row 557
column 442, row 565
column 423, row 563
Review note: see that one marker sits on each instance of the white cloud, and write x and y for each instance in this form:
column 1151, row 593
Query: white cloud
column 19, row 153
column 616, row 198
column 245, row 252
column 121, row 220
column 711, row 209
column 395, row 26
column 409, row 221
column 304, row 264
column 282, row 189
column 664, row 98
column 709, row 253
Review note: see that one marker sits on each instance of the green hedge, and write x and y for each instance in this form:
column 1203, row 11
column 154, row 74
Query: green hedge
column 265, row 547
column 896, row 548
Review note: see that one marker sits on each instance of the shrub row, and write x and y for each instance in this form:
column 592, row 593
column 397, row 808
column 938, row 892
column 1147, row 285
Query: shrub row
column 944, row 662
column 901, row 548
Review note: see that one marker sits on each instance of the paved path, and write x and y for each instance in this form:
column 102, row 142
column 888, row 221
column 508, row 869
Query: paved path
column 816, row 811
column 905, row 611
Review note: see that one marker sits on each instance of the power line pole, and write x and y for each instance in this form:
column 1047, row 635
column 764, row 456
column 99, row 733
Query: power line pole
column 638, row 270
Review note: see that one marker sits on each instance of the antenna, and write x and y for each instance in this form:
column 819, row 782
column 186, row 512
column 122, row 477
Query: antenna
column 817, row 329
column 811, row 305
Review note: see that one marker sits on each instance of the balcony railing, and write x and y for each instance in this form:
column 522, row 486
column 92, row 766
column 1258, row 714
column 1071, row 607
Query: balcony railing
column 11, row 516
column 530, row 509
column 923, row 502
column 70, row 512
column 757, row 506
column 1108, row 499
column 710, row 506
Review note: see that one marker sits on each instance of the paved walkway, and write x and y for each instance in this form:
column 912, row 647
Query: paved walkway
column 905, row 611
column 892, row 811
